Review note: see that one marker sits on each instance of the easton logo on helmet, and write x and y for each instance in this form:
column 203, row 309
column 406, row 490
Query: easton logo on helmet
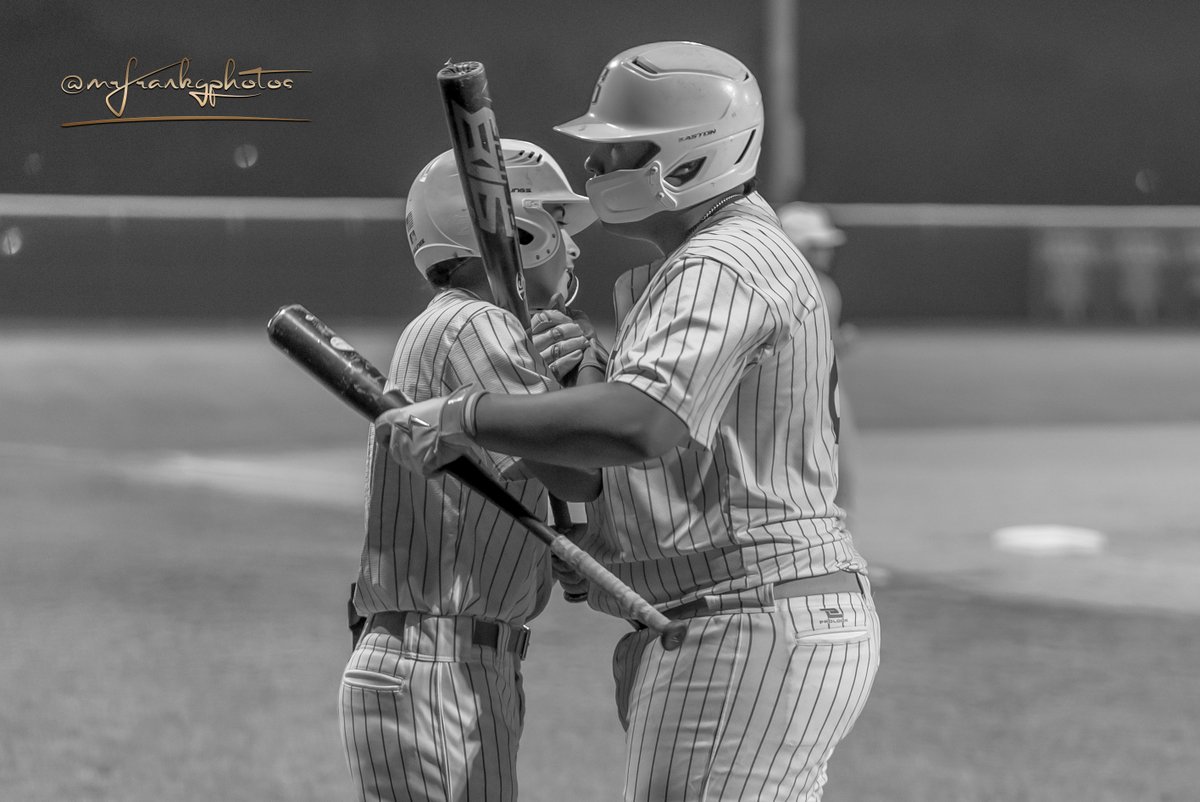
column 698, row 134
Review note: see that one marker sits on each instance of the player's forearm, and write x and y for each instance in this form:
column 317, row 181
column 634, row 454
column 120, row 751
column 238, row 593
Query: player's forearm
column 584, row 427
column 588, row 374
column 566, row 483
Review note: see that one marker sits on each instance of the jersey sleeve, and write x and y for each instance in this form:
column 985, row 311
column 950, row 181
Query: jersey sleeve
column 628, row 288
column 702, row 326
column 492, row 351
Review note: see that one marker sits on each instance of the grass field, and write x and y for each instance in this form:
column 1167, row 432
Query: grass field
column 182, row 514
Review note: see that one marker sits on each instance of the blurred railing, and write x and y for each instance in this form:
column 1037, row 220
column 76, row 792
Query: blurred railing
column 1068, row 264
column 209, row 257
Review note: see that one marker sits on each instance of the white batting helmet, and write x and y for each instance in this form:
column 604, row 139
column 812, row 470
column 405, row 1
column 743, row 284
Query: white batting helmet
column 439, row 225
column 700, row 106
column 809, row 225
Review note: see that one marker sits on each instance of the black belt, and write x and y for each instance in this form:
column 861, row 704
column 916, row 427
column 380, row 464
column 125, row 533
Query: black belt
column 487, row 633
column 483, row 633
column 837, row 582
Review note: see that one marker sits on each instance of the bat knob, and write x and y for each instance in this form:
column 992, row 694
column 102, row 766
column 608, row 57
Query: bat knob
column 673, row 634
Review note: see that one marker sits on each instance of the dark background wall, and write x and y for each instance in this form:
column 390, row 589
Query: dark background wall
column 1055, row 102
column 924, row 101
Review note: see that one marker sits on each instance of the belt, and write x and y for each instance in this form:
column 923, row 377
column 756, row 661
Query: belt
column 837, row 582
column 483, row 632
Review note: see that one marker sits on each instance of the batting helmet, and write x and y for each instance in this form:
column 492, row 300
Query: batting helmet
column 808, row 225
column 439, row 224
column 699, row 106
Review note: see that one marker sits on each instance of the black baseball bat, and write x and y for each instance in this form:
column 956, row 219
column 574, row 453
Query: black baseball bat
column 475, row 139
column 348, row 374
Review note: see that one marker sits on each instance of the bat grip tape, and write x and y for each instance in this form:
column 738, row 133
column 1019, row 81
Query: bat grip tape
column 631, row 603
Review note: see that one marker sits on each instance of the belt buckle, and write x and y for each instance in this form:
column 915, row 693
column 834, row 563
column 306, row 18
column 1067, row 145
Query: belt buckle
column 521, row 645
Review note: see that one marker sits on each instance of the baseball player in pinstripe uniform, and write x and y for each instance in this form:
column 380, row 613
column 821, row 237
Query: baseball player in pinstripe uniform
column 431, row 698
column 717, row 431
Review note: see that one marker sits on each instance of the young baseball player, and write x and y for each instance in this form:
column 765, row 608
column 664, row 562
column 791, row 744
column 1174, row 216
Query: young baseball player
column 717, row 431
column 431, row 698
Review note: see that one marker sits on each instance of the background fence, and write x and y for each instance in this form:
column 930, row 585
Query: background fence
column 148, row 258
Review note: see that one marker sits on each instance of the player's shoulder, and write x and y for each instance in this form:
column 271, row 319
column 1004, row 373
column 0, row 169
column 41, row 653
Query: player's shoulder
column 461, row 308
column 745, row 238
column 630, row 285
column 744, row 234
column 456, row 317
column 634, row 280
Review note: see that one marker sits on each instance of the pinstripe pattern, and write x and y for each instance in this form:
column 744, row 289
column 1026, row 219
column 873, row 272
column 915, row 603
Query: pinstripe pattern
column 435, row 546
column 751, row 705
column 431, row 719
column 432, row 716
column 731, row 334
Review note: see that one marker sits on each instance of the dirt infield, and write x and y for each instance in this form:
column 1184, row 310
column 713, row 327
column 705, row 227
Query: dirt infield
column 182, row 515
column 931, row 501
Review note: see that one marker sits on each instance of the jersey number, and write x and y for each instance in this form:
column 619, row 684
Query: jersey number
column 835, row 405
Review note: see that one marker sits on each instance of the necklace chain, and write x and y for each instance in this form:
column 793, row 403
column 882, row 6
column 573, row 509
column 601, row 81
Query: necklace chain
column 718, row 206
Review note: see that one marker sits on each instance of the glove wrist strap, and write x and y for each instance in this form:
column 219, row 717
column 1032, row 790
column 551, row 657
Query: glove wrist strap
column 467, row 415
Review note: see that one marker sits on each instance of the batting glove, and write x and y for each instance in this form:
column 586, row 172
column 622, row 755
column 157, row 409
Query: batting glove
column 566, row 339
column 426, row 436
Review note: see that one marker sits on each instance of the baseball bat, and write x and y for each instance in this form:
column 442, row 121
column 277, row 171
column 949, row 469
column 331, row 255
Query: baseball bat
column 475, row 140
column 335, row 363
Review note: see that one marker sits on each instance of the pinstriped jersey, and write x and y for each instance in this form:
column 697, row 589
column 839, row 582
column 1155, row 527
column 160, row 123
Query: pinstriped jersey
column 731, row 334
column 432, row 545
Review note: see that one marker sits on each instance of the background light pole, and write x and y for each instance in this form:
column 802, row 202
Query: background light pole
column 784, row 137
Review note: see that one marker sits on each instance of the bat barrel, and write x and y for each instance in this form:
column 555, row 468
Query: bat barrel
column 460, row 72
column 478, row 154
column 334, row 362
column 465, row 83
column 303, row 337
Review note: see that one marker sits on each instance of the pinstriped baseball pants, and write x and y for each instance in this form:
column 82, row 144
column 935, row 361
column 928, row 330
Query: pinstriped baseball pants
column 433, row 718
column 751, row 705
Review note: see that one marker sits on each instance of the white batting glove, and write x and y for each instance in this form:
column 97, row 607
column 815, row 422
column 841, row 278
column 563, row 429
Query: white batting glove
column 566, row 339
column 426, row 436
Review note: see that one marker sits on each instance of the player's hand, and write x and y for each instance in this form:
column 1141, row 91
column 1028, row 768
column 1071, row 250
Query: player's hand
column 565, row 338
column 575, row 587
column 426, row 436
column 559, row 339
